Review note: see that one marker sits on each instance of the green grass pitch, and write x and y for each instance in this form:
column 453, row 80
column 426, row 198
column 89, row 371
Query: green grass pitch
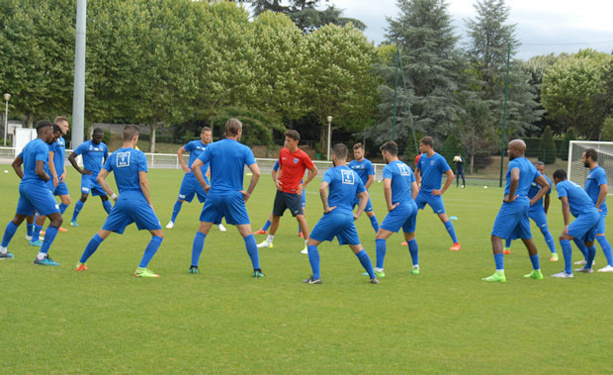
column 446, row 320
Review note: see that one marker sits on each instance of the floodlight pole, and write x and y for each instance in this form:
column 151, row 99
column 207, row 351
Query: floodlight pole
column 504, row 115
column 78, row 98
column 7, row 97
column 329, row 118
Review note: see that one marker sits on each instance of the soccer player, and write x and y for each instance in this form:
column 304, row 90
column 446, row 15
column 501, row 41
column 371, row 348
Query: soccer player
column 512, row 219
column 430, row 169
column 587, row 220
column 597, row 188
column 459, row 169
column 34, row 194
column 226, row 198
column 400, row 190
column 94, row 154
column 363, row 167
column 133, row 203
column 293, row 162
column 338, row 219
column 538, row 213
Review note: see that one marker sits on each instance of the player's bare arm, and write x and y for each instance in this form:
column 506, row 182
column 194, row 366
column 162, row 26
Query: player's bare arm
column 105, row 184
column 17, row 166
column 323, row 194
column 198, row 174
column 180, row 153
column 604, row 190
column 387, row 191
column 54, row 175
column 72, row 159
column 542, row 181
column 255, row 177
column 363, row 199
column 312, row 173
column 40, row 171
column 513, row 187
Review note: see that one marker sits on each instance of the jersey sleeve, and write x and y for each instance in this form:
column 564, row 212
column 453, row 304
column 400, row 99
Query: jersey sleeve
column 443, row 165
column 108, row 164
column 562, row 191
column 80, row 149
column 205, row 156
column 276, row 166
column 328, row 176
column 141, row 162
column 370, row 169
column 550, row 185
column 42, row 153
column 249, row 158
column 601, row 178
column 308, row 163
column 189, row 147
column 387, row 172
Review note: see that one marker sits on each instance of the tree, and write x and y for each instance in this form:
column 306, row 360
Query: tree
column 547, row 147
column 569, row 135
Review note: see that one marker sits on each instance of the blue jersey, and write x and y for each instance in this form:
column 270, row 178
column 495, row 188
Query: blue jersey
column 227, row 159
column 527, row 174
column 363, row 168
column 534, row 189
column 432, row 169
column 93, row 155
column 402, row 178
column 126, row 163
column 344, row 184
column 59, row 156
column 578, row 200
column 34, row 151
column 595, row 178
column 195, row 148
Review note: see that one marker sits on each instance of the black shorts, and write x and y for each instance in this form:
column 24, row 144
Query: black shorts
column 290, row 201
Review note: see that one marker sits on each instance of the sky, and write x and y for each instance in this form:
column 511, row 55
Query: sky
column 543, row 26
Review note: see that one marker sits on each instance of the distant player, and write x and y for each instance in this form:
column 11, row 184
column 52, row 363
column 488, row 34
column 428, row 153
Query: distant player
column 538, row 213
column 293, row 162
column 512, row 219
column 459, row 170
column 133, row 204
column 94, row 154
column 363, row 167
column 34, row 194
column 226, row 198
column 338, row 219
column 597, row 188
column 576, row 201
column 400, row 190
column 429, row 172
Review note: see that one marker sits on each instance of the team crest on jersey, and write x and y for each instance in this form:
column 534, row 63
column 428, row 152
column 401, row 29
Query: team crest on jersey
column 123, row 159
column 404, row 170
column 296, row 160
column 431, row 162
column 348, row 177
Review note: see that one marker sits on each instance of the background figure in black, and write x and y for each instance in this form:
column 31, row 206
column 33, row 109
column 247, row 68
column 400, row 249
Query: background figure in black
column 459, row 168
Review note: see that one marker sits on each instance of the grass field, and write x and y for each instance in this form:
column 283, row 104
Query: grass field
column 445, row 320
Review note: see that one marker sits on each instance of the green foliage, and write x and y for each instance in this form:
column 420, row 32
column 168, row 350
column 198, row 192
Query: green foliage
column 568, row 136
column 547, row 148
column 607, row 129
column 257, row 126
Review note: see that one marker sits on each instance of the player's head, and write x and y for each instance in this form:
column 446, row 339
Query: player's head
column 358, row 151
column 131, row 133
column 540, row 166
column 426, row 144
column 62, row 122
column 292, row 138
column 389, row 151
column 206, row 135
column 339, row 154
column 97, row 136
column 516, row 148
column 559, row 175
column 234, row 128
column 57, row 132
column 44, row 130
column 589, row 157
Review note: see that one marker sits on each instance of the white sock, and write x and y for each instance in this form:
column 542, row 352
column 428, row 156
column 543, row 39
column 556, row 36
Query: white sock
column 378, row 269
column 270, row 238
column 41, row 256
column 3, row 250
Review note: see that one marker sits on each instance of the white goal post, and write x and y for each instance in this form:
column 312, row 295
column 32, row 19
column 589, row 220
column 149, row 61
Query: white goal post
column 577, row 172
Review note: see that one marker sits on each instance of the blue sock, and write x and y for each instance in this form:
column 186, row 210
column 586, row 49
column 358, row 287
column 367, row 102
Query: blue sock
column 413, row 251
column 591, row 253
column 314, row 260
column 535, row 261
column 63, row 208
column 30, row 228
column 91, row 247
column 36, row 233
column 451, row 230
column 366, row 263
column 375, row 223
column 9, row 232
column 499, row 260
column 567, row 251
column 606, row 249
column 549, row 239
column 299, row 229
column 581, row 245
column 266, row 226
column 175, row 210
column 197, row 247
column 252, row 250
column 150, row 251
column 507, row 243
column 77, row 208
column 381, row 250
column 107, row 206
column 49, row 237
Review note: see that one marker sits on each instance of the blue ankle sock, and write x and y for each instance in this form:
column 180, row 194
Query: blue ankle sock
column 150, row 251
column 107, row 206
column 91, row 247
column 63, row 208
column 606, row 249
column 414, row 252
column 197, row 247
column 50, row 234
column 9, row 232
column 366, row 263
column 252, row 250
column 567, row 251
column 381, row 249
column 507, row 243
column 36, row 233
column 499, row 260
column 535, row 262
column 266, row 226
column 30, row 228
column 175, row 210
column 375, row 223
column 314, row 260
column 77, row 208
column 451, row 230
column 591, row 253
column 549, row 239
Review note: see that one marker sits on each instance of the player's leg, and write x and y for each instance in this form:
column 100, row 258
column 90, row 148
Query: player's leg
column 278, row 209
column 9, row 232
column 313, row 252
column 251, row 247
column 157, row 236
column 584, row 228
column 266, row 225
column 91, row 248
column 381, row 248
column 567, row 253
column 78, row 206
column 370, row 212
column 30, row 227
column 413, row 251
column 436, row 202
column 304, row 226
column 507, row 220
column 534, row 259
column 38, row 227
column 463, row 180
column 507, row 246
column 605, row 245
column 540, row 219
column 65, row 199
column 198, row 244
column 175, row 212
column 106, row 203
column 365, row 261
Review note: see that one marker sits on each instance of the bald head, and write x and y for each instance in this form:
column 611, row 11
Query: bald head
column 517, row 147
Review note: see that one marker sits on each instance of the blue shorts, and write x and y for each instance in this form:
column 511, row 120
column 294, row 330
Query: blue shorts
column 368, row 208
column 190, row 187
column 36, row 198
column 403, row 216
column 284, row 201
column 229, row 205
column 131, row 208
column 513, row 221
column 601, row 225
column 89, row 184
column 538, row 215
column 60, row 189
column 336, row 224
column 584, row 226
column 434, row 201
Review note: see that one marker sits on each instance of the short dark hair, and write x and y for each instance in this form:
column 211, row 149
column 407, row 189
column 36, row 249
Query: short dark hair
column 293, row 134
column 129, row 131
column 391, row 147
column 539, row 163
column 591, row 153
column 56, row 129
column 560, row 174
column 428, row 141
column 358, row 145
column 340, row 150
column 233, row 125
column 41, row 125
column 98, row 130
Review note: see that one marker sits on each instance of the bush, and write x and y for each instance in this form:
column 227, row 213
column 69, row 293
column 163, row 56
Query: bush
column 563, row 150
column 547, row 148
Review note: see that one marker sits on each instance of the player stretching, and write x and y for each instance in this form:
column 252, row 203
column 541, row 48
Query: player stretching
column 133, row 204
column 430, row 169
column 338, row 219
column 538, row 213
column 512, row 219
column 94, row 154
column 226, row 197
column 292, row 164
column 363, row 167
column 34, row 194
column 400, row 190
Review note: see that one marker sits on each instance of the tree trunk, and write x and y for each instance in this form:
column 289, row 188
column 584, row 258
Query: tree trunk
column 30, row 120
column 472, row 163
column 153, row 126
column 323, row 139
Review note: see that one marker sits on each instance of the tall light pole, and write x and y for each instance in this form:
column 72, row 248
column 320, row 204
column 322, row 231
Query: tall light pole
column 7, row 97
column 329, row 134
